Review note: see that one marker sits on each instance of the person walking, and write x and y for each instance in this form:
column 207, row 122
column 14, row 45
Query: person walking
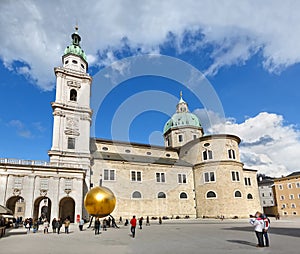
column 141, row 222
column 97, row 226
column 108, row 222
column 147, row 221
column 265, row 230
column 46, row 226
column 133, row 226
column 126, row 222
column 67, row 225
column 81, row 222
column 35, row 226
column 113, row 223
column 160, row 220
column 58, row 225
column 258, row 225
column 27, row 225
column 104, row 223
column 54, row 225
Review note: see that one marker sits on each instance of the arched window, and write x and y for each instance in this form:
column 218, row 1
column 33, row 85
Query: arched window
column 207, row 155
column 183, row 195
column 249, row 196
column 237, row 194
column 136, row 194
column 161, row 195
column 211, row 194
column 231, row 154
column 73, row 95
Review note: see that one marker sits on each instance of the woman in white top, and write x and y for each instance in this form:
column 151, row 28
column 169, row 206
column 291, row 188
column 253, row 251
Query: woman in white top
column 46, row 226
column 258, row 224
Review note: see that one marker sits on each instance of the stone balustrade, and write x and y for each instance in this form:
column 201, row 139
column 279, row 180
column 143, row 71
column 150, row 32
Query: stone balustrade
column 37, row 163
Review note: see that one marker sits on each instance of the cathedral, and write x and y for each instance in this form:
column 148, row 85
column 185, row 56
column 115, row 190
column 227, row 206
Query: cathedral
column 192, row 176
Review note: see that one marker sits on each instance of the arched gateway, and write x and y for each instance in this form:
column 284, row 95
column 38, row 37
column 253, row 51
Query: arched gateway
column 42, row 208
column 17, row 205
column 67, row 209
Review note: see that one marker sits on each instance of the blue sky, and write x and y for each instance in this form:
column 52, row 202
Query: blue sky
column 249, row 52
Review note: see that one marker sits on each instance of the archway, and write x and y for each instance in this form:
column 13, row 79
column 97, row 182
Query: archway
column 42, row 208
column 17, row 205
column 67, row 209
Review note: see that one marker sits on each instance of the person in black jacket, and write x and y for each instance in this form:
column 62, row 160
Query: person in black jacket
column 97, row 226
column 58, row 225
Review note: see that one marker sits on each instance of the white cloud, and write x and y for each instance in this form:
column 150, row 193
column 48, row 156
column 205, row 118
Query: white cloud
column 39, row 126
column 36, row 32
column 268, row 144
column 21, row 129
column 16, row 123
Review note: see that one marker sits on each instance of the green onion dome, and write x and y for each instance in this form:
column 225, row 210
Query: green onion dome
column 182, row 117
column 75, row 48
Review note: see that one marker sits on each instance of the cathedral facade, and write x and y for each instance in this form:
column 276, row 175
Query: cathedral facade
column 193, row 175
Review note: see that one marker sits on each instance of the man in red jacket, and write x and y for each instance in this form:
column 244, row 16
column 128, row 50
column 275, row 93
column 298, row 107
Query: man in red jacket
column 133, row 225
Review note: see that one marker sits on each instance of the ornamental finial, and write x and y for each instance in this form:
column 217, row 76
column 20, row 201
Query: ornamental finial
column 180, row 94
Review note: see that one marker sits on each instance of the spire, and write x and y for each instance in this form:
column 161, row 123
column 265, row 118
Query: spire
column 182, row 105
column 75, row 37
column 181, row 100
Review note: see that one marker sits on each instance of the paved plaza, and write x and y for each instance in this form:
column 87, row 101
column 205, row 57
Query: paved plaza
column 173, row 236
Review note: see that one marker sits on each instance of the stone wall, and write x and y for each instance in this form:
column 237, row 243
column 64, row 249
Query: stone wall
column 149, row 204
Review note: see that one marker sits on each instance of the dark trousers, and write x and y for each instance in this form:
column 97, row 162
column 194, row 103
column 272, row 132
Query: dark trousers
column 260, row 239
column 97, row 230
column 265, row 234
column 132, row 231
column 80, row 227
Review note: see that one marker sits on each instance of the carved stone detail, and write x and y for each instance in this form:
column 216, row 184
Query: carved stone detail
column 58, row 113
column 72, row 132
column 74, row 84
column 43, row 192
column 72, row 123
column 17, row 192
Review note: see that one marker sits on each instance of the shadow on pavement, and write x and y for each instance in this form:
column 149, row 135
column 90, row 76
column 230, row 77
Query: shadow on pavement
column 242, row 242
column 295, row 232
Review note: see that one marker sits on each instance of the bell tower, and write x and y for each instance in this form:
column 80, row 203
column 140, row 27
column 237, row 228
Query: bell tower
column 71, row 109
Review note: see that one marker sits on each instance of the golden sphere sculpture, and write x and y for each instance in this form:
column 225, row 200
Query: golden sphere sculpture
column 100, row 201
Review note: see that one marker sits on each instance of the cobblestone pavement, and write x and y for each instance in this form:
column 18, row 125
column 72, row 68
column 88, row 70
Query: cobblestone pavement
column 173, row 236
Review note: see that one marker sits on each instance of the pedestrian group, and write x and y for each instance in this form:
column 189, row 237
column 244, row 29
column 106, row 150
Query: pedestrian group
column 261, row 224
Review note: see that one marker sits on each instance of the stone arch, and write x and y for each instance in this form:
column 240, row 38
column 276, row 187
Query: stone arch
column 42, row 208
column 17, row 205
column 67, row 209
column 73, row 95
